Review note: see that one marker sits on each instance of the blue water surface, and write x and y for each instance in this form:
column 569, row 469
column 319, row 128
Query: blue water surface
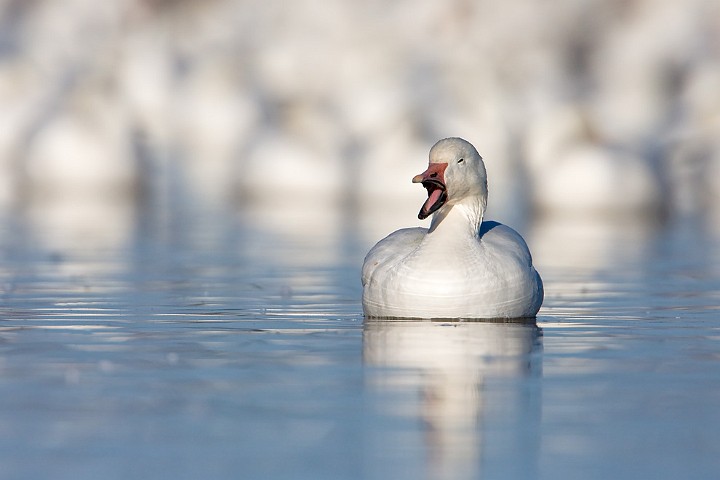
column 214, row 347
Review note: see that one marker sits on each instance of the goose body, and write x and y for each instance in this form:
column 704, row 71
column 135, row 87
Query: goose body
column 462, row 266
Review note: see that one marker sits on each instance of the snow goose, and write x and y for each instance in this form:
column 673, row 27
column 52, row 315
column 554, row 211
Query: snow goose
column 461, row 267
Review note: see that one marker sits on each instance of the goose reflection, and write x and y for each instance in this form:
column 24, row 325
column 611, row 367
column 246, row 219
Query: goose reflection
column 478, row 406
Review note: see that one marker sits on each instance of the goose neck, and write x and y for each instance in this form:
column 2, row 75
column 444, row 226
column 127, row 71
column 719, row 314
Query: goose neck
column 458, row 220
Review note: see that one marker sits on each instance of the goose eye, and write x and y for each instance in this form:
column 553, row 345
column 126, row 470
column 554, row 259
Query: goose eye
column 461, row 160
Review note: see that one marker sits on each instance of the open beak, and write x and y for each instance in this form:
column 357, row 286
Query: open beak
column 433, row 179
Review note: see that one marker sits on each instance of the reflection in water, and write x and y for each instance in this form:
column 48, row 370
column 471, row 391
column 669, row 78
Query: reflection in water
column 478, row 409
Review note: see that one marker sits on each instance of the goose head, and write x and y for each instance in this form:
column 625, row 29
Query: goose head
column 455, row 175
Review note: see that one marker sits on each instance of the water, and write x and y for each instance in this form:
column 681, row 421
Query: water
column 219, row 347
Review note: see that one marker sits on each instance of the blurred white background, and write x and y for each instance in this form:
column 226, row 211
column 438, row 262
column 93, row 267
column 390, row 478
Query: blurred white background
column 581, row 108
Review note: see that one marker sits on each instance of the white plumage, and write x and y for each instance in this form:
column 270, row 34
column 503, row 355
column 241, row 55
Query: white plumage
column 461, row 267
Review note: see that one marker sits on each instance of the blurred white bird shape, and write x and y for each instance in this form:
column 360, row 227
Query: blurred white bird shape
column 461, row 267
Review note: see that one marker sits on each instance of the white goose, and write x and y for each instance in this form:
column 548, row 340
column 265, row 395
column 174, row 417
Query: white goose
column 461, row 267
